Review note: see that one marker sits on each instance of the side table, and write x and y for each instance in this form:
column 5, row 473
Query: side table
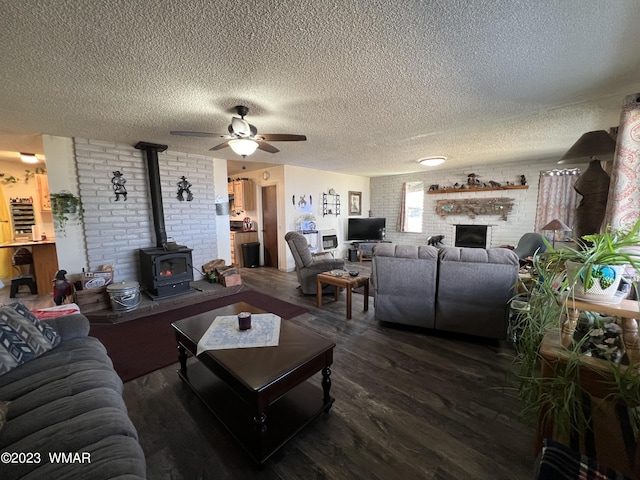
column 341, row 279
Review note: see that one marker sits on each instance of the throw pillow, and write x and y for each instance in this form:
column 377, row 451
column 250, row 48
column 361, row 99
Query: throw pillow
column 559, row 462
column 14, row 350
column 43, row 333
column 22, row 337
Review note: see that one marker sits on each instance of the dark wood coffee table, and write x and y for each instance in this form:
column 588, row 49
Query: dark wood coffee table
column 277, row 401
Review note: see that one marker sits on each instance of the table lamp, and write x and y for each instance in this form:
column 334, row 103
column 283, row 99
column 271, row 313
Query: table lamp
column 557, row 226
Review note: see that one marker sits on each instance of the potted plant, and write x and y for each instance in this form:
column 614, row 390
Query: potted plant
column 62, row 204
column 596, row 266
column 557, row 400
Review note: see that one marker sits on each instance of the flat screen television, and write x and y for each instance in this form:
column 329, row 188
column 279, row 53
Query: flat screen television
column 366, row 229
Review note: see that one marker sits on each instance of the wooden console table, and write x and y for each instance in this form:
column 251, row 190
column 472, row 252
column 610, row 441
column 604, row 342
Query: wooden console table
column 608, row 435
column 627, row 310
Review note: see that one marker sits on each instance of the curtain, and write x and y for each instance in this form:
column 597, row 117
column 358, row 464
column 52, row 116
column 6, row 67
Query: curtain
column 6, row 270
column 557, row 197
column 623, row 205
column 403, row 204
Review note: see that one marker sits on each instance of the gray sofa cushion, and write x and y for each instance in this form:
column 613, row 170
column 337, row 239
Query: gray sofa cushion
column 69, row 326
column 75, row 435
column 58, row 363
column 474, row 288
column 404, row 283
column 70, row 400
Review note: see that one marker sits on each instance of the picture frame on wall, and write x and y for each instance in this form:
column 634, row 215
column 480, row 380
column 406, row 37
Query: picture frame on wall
column 355, row 203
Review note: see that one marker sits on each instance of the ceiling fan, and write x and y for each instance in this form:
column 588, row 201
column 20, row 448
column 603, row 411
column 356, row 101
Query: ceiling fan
column 243, row 138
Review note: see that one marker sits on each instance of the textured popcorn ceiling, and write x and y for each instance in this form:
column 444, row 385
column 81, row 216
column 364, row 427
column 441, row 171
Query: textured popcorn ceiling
column 375, row 85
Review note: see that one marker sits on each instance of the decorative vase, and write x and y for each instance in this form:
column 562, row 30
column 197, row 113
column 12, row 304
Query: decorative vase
column 602, row 284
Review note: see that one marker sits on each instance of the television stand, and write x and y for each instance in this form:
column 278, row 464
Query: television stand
column 364, row 248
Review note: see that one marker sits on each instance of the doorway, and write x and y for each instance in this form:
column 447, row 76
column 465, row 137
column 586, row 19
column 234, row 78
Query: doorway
column 270, row 226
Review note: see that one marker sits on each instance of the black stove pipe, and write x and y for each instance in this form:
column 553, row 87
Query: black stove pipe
column 151, row 150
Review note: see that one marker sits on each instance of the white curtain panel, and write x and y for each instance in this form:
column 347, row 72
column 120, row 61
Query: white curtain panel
column 623, row 205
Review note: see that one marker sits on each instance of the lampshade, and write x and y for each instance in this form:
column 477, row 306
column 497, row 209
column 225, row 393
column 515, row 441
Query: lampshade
column 28, row 157
column 243, row 146
column 556, row 225
column 590, row 145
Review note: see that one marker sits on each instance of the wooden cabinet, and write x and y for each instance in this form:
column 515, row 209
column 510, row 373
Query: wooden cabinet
column 244, row 195
column 609, row 433
column 42, row 184
column 237, row 239
column 230, row 188
column 45, row 261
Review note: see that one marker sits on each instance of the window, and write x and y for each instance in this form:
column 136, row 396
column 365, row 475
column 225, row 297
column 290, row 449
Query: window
column 413, row 207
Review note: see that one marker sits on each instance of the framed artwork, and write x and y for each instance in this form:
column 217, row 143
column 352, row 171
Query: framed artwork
column 355, row 203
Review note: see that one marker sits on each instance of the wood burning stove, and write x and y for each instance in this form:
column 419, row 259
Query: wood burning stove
column 166, row 269
column 165, row 272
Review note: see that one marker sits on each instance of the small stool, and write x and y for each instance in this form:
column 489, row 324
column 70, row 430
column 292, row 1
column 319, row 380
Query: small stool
column 24, row 279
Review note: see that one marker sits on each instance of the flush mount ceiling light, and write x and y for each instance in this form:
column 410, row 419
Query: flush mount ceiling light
column 28, row 157
column 432, row 161
column 243, row 146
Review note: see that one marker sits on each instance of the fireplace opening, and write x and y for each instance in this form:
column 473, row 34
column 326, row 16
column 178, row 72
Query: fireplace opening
column 471, row 236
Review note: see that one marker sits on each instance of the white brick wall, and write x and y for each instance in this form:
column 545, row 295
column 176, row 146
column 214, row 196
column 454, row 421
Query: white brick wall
column 386, row 193
column 116, row 230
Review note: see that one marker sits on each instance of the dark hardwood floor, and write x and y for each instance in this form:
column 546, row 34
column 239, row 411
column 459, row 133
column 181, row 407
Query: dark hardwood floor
column 410, row 404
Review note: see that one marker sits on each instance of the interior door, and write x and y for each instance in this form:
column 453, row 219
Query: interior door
column 270, row 226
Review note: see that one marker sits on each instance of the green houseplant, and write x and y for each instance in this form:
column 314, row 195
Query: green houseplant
column 595, row 267
column 65, row 203
column 558, row 400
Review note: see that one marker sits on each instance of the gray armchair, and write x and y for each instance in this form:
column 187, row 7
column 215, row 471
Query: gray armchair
column 528, row 244
column 308, row 265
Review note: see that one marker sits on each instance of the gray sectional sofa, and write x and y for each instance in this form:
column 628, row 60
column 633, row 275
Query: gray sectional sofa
column 67, row 400
column 464, row 290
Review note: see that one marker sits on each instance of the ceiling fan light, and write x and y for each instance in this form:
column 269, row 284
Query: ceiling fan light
column 243, row 146
column 28, row 157
column 432, row 161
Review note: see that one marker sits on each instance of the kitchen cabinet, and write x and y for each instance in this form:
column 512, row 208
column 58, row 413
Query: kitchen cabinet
column 237, row 239
column 244, row 195
column 42, row 185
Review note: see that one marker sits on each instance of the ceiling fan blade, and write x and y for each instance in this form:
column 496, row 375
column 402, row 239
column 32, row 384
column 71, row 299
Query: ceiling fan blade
column 222, row 145
column 196, row 134
column 282, row 137
column 267, row 148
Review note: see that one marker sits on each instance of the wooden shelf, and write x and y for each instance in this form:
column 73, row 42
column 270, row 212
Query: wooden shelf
column 478, row 189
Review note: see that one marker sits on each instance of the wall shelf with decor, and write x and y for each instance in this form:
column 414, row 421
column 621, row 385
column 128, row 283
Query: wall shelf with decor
column 330, row 204
column 476, row 189
column 475, row 207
